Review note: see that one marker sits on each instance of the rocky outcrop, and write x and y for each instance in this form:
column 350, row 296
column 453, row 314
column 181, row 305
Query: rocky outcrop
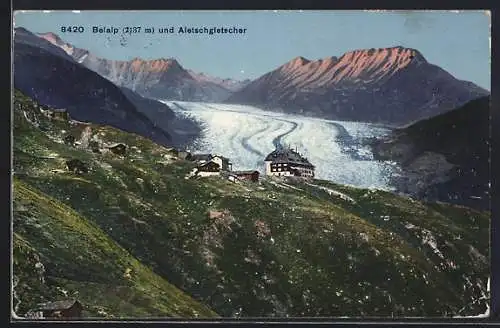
column 388, row 85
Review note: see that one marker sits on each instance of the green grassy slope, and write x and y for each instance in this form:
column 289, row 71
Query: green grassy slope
column 281, row 248
column 80, row 259
column 89, row 265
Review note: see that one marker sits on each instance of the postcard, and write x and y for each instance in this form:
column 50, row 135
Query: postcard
column 250, row 164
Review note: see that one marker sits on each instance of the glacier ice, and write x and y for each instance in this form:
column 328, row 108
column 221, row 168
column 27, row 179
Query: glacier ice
column 246, row 134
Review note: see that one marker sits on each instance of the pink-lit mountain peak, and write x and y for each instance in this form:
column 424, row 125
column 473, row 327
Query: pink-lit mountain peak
column 295, row 63
column 396, row 53
column 300, row 61
column 160, row 65
column 365, row 64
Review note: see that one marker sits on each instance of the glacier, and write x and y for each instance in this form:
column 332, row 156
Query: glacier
column 246, row 134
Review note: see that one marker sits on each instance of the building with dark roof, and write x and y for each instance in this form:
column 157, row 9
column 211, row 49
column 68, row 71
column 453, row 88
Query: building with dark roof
column 208, row 169
column 118, row 149
column 284, row 161
column 224, row 163
column 247, row 175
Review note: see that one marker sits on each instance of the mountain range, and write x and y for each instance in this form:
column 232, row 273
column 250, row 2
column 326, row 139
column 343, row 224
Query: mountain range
column 394, row 86
column 162, row 78
column 53, row 78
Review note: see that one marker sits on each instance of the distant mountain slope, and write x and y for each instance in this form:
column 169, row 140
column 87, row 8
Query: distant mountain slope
column 23, row 36
column 389, row 85
column 230, row 84
column 276, row 248
column 446, row 157
column 75, row 53
column 53, row 78
column 182, row 130
column 162, row 78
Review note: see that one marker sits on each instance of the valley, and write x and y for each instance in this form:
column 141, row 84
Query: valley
column 247, row 134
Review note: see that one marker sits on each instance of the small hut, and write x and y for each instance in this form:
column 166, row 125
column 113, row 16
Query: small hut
column 118, row 149
column 66, row 309
column 247, row 175
column 77, row 166
column 208, row 169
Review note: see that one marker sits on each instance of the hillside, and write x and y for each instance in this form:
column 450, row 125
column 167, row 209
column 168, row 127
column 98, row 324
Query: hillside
column 81, row 260
column 274, row 248
column 53, row 78
column 162, row 78
column 446, row 157
column 393, row 86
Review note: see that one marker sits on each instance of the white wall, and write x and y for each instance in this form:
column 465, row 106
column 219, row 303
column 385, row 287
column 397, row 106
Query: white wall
column 268, row 167
column 207, row 174
column 304, row 171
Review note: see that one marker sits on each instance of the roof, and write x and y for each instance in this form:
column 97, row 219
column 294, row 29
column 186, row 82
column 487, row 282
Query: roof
column 287, row 155
column 116, row 145
column 57, row 305
column 207, row 164
column 244, row 172
column 222, row 157
column 205, row 157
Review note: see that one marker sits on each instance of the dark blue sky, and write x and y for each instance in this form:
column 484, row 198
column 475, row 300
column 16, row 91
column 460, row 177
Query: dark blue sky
column 456, row 41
